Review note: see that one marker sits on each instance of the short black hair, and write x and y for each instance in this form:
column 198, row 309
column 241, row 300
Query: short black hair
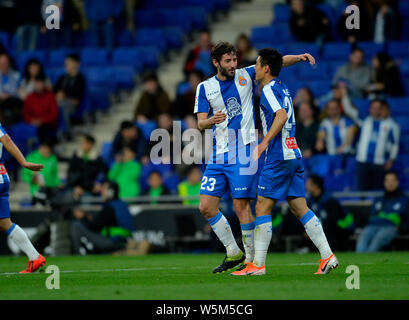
column 222, row 48
column 272, row 58
column 151, row 76
column 126, row 124
column 73, row 56
column 89, row 138
column 317, row 181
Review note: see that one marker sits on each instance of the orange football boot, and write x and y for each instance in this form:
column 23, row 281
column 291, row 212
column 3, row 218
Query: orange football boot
column 34, row 265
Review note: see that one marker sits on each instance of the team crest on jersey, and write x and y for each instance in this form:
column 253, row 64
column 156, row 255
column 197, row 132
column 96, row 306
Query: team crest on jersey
column 233, row 107
column 242, row 81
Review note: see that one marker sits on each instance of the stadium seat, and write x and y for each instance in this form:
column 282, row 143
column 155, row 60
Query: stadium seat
column 54, row 74
column 98, row 98
column 403, row 122
column 370, row 49
column 146, row 128
column 320, row 165
column 127, row 57
column 174, row 36
column 275, row 34
column 300, row 48
column 57, row 57
column 403, row 9
column 171, row 181
column 405, row 83
column 93, row 57
column 306, row 72
column 125, row 39
column 106, row 153
column 146, row 18
column 337, row 51
column 152, row 37
column 100, row 77
column 319, row 87
column 399, row 106
column 281, row 13
column 23, row 57
column 404, row 68
column 124, row 77
column 176, row 17
column 332, row 66
column 363, row 107
column 24, row 136
column 209, row 6
column 198, row 17
column 149, row 56
column 398, row 49
column 5, row 40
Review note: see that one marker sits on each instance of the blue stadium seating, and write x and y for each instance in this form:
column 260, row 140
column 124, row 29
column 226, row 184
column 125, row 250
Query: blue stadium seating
column 371, row 49
column 198, row 17
column 100, row 77
column 281, row 13
column 300, row 48
column 399, row 49
column 54, row 74
column 403, row 122
column 223, row 5
column 24, row 56
column 146, row 18
column 56, row 58
column 176, row 17
column 125, row 39
column 404, row 68
column 127, row 57
column 337, row 51
column 124, row 77
column 319, row 87
column 92, row 57
column 149, row 56
column 5, row 40
column 98, row 98
column 306, row 72
column 106, row 153
column 275, row 34
column 332, row 66
column 152, row 37
column 24, row 136
column 146, row 128
column 363, row 107
column 405, row 83
column 399, row 106
column 174, row 36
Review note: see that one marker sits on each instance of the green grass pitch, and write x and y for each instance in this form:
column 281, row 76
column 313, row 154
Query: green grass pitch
column 189, row 276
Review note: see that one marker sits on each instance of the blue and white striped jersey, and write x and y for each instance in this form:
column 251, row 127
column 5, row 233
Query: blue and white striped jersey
column 275, row 96
column 2, row 133
column 335, row 135
column 233, row 97
column 378, row 141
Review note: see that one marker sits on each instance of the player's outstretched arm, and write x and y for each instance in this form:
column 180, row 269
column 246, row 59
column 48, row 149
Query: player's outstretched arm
column 203, row 122
column 16, row 153
column 289, row 60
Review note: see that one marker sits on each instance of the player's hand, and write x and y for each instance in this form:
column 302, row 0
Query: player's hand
column 32, row 166
column 219, row 117
column 307, row 57
column 259, row 150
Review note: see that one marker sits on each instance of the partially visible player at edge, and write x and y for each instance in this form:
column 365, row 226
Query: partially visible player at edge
column 282, row 175
column 12, row 230
column 225, row 102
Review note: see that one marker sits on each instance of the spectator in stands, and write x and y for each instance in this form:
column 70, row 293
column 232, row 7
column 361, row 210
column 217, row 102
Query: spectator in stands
column 70, row 88
column 28, row 21
column 191, row 187
column 43, row 184
column 156, row 187
column 386, row 26
column 10, row 104
column 365, row 31
column 308, row 23
column 103, row 17
column 385, row 80
column 246, row 54
column 303, row 95
column 70, row 22
column 199, row 57
column 32, row 68
column 307, row 128
column 129, row 135
column 378, row 146
column 153, row 101
column 355, row 73
column 336, row 223
column 126, row 172
column 41, row 109
column 106, row 231
column 389, row 216
column 184, row 103
column 336, row 132
column 86, row 169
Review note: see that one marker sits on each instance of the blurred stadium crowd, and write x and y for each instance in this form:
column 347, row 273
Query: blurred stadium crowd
column 351, row 108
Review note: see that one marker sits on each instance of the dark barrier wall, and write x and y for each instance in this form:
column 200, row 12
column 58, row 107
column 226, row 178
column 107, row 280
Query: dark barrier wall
column 158, row 225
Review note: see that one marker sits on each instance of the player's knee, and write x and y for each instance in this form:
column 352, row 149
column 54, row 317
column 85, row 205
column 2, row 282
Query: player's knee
column 206, row 210
column 241, row 207
column 5, row 224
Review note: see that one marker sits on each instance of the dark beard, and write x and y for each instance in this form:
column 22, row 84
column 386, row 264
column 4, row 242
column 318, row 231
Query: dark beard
column 224, row 73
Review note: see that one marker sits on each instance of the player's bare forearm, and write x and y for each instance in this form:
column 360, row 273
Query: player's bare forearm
column 279, row 121
column 290, row 60
column 203, row 122
column 12, row 149
column 16, row 154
